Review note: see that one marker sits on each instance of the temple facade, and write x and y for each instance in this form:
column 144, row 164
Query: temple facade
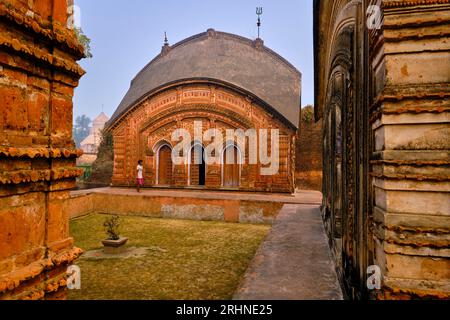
column 219, row 82
column 383, row 95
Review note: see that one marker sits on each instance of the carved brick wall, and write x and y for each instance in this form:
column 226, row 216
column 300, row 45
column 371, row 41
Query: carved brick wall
column 38, row 74
column 383, row 95
column 411, row 167
column 139, row 133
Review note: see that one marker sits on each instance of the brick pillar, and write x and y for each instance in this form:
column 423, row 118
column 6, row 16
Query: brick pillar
column 38, row 75
column 410, row 162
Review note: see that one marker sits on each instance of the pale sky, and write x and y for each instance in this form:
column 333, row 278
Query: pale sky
column 126, row 35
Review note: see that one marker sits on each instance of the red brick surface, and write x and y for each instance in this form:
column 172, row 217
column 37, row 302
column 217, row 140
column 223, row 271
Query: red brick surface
column 37, row 153
column 308, row 175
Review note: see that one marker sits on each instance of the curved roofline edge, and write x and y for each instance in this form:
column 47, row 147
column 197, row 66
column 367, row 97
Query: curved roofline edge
column 117, row 118
column 203, row 34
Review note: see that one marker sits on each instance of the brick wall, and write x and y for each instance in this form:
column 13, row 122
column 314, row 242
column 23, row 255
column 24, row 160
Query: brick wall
column 38, row 74
column 308, row 173
column 82, row 203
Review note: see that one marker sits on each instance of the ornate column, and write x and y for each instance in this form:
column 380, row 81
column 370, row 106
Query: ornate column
column 411, row 125
column 38, row 75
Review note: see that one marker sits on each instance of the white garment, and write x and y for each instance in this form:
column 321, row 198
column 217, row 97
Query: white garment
column 140, row 169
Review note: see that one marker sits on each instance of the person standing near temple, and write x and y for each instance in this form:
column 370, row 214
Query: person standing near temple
column 140, row 176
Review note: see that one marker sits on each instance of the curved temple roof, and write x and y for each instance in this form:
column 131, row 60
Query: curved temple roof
column 227, row 58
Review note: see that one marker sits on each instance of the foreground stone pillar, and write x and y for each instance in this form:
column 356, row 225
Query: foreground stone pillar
column 38, row 74
column 411, row 127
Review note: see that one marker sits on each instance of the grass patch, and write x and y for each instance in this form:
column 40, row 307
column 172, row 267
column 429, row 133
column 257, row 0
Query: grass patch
column 198, row 261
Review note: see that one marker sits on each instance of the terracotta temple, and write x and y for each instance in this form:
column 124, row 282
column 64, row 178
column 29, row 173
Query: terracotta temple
column 225, row 82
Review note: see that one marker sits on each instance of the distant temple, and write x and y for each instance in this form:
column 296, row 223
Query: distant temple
column 91, row 143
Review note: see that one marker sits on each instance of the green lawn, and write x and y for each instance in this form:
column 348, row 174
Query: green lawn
column 193, row 260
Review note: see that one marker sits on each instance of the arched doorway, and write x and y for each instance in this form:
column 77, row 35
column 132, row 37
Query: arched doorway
column 165, row 166
column 231, row 167
column 197, row 166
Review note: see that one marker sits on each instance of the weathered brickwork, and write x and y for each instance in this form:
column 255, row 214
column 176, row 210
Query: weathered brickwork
column 308, row 172
column 170, row 205
column 38, row 74
column 410, row 162
column 150, row 125
column 384, row 98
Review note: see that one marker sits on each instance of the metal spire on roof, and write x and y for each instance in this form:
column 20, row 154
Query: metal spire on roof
column 259, row 12
column 166, row 47
column 166, row 42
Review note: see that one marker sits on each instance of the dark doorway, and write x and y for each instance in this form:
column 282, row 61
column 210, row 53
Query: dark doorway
column 202, row 172
column 197, row 166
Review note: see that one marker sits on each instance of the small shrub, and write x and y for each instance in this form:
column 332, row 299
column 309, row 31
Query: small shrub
column 308, row 114
column 111, row 225
column 85, row 41
column 102, row 168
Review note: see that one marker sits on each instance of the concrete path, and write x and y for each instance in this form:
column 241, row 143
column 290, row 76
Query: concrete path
column 294, row 262
column 300, row 197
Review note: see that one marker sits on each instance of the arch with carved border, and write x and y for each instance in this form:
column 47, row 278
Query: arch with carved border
column 195, row 111
column 203, row 167
column 157, row 152
column 239, row 162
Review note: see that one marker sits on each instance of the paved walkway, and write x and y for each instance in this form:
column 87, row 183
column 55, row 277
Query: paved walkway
column 294, row 262
column 300, row 197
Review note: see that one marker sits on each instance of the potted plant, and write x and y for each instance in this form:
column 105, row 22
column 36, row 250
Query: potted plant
column 114, row 241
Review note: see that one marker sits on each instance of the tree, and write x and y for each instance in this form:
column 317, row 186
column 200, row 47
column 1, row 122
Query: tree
column 308, row 114
column 102, row 168
column 85, row 41
column 81, row 129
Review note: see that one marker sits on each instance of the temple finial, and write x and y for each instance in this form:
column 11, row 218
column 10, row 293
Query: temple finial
column 259, row 12
column 166, row 47
column 166, row 42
